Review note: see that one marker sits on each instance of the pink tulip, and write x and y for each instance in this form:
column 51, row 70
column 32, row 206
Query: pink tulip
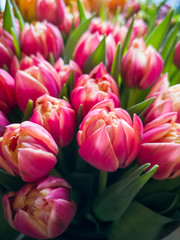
column 93, row 88
column 119, row 33
column 42, row 37
column 139, row 28
column 3, row 123
column 57, row 117
column 35, row 81
column 7, row 92
column 102, row 27
column 64, row 70
column 167, row 99
column 107, row 137
column 53, row 11
column 161, row 146
column 88, row 43
column 141, row 66
column 131, row 7
column 6, row 48
column 41, row 210
column 176, row 58
column 28, row 150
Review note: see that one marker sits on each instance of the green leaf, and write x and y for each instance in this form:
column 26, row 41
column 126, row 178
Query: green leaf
column 128, row 37
column 16, row 43
column 103, row 13
column 138, row 222
column 118, row 196
column 70, row 83
column 115, row 18
column 11, row 183
column 74, row 38
column 115, row 69
column 98, row 56
column 82, row 15
column 18, row 15
column 64, row 92
column 28, row 110
column 141, row 108
column 156, row 37
column 51, row 58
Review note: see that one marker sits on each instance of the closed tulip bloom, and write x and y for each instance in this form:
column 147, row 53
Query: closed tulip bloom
column 41, row 210
column 27, row 9
column 35, row 81
column 141, row 66
column 7, row 92
column 64, row 70
column 93, row 88
column 160, row 146
column 167, row 99
column 176, row 58
column 70, row 20
column 57, row 117
column 42, row 37
column 102, row 27
column 139, row 28
column 107, row 137
column 3, row 123
column 28, row 150
column 53, row 11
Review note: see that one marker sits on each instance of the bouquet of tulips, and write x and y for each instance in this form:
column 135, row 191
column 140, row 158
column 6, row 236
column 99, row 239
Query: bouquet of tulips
column 89, row 120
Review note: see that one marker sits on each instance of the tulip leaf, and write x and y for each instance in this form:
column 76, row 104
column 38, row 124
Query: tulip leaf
column 64, row 92
column 70, row 82
column 118, row 196
column 141, row 108
column 9, row 182
column 157, row 35
column 28, row 110
column 115, row 69
column 128, row 37
column 98, row 56
column 16, row 43
column 51, row 59
column 74, row 38
column 103, row 13
column 115, row 18
column 82, row 15
column 18, row 15
column 138, row 222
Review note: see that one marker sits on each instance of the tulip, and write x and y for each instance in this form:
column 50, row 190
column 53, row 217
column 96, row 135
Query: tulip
column 41, row 210
column 131, row 7
column 139, row 28
column 64, row 70
column 28, row 150
column 176, row 58
column 119, row 33
column 7, row 93
column 6, row 48
column 167, row 99
column 107, row 137
column 35, row 81
column 52, row 11
column 87, row 45
column 57, row 117
column 160, row 146
column 42, row 37
column 3, row 123
column 141, row 66
column 27, row 9
column 103, row 28
column 93, row 88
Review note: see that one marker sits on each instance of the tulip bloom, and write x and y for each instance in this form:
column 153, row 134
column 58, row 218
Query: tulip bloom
column 161, row 146
column 42, row 37
column 64, row 70
column 35, row 81
column 57, row 117
column 93, row 88
column 176, row 58
column 141, row 66
column 27, row 150
column 103, row 28
column 107, row 137
column 3, row 123
column 87, row 45
column 7, row 93
column 52, row 11
column 41, row 210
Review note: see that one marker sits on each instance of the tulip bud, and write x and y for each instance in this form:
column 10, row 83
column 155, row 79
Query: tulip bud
column 42, row 37
column 41, row 210
column 93, row 88
column 35, row 81
column 107, row 137
column 7, row 95
column 160, row 146
column 102, row 27
column 53, row 11
column 176, row 58
column 141, row 66
column 3, row 123
column 28, row 150
column 57, row 117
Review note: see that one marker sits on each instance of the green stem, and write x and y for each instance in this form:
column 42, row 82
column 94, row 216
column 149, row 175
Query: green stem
column 102, row 181
column 28, row 111
column 132, row 97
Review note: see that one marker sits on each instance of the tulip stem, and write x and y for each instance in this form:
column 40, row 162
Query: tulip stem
column 102, row 181
column 132, row 97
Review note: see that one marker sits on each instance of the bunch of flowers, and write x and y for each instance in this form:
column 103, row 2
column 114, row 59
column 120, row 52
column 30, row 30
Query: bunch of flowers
column 89, row 120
